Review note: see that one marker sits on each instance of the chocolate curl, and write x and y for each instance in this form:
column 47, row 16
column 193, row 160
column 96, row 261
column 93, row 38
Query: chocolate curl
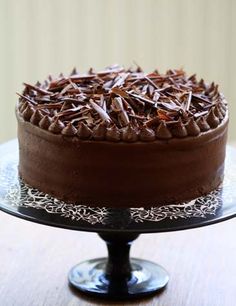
column 104, row 116
column 123, row 97
column 122, row 114
column 188, row 101
column 26, row 98
column 38, row 89
column 202, row 84
column 120, row 81
column 69, row 112
column 141, row 98
column 163, row 132
column 38, row 84
column 151, row 82
column 120, row 92
column 156, row 96
column 74, row 71
column 66, row 88
column 193, row 78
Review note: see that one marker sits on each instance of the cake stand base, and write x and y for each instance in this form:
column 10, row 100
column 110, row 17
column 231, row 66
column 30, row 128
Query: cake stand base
column 118, row 277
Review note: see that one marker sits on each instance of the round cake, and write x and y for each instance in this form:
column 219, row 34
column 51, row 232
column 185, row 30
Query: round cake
column 122, row 137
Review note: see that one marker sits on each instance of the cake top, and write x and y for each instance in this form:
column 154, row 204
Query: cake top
column 123, row 105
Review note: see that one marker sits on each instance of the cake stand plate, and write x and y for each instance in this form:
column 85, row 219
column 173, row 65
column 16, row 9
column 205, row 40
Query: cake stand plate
column 116, row 276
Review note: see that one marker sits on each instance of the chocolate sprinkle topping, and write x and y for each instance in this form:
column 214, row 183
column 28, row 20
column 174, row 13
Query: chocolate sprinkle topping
column 123, row 105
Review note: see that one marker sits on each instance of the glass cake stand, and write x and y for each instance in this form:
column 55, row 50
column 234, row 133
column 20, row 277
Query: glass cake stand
column 118, row 276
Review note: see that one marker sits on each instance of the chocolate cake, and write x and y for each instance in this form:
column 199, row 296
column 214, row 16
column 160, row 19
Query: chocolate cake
column 122, row 138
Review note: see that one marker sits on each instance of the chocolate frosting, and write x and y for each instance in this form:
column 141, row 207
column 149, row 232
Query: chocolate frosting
column 218, row 113
column 113, row 133
column 203, row 125
column 147, row 134
column 178, row 129
column 106, row 173
column 36, row 117
column 129, row 134
column 56, row 127
column 45, row 122
column 69, row 130
column 163, row 132
column 23, row 106
column 212, row 120
column 84, row 131
column 192, row 128
column 124, row 138
column 105, row 102
column 28, row 112
column 222, row 110
column 99, row 132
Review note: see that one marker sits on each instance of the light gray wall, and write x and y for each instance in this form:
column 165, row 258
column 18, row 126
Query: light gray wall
column 39, row 37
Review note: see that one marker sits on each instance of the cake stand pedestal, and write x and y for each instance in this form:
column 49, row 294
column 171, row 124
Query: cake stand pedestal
column 118, row 276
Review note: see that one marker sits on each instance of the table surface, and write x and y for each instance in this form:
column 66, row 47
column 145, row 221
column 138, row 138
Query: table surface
column 35, row 260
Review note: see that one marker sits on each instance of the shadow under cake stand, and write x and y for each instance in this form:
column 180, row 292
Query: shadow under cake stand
column 118, row 276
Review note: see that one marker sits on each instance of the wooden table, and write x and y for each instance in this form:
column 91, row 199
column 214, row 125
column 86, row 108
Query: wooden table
column 35, row 260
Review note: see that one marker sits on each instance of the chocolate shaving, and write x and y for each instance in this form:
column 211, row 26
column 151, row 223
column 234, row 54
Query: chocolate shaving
column 38, row 89
column 151, row 82
column 120, row 92
column 27, row 99
column 188, row 101
column 130, row 102
column 122, row 114
column 100, row 111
